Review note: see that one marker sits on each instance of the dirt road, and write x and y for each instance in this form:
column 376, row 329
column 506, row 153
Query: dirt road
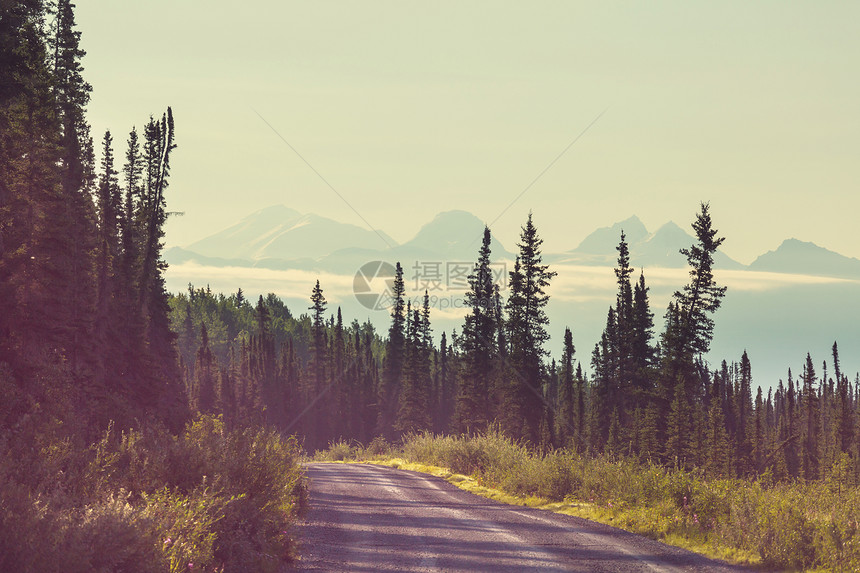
column 371, row 518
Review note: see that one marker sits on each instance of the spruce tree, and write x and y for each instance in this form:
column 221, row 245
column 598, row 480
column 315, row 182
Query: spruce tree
column 31, row 317
column 566, row 415
column 758, row 438
column 446, row 387
column 72, row 225
column 526, row 326
column 264, row 366
column 642, row 325
column 744, row 420
column 689, row 327
column 811, row 422
column 845, row 415
column 317, row 368
column 624, row 318
column 108, row 309
column 699, row 299
column 792, row 437
column 580, row 410
column 606, row 390
column 158, row 145
column 129, row 311
column 341, row 382
column 479, row 346
column 392, row 367
column 413, row 413
column 618, row 368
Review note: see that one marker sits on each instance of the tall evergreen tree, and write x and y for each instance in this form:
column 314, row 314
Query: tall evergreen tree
column 479, row 346
column 159, row 142
column 317, row 368
column 689, row 326
column 624, row 321
column 72, row 224
column 642, row 325
column 30, row 191
column 526, row 325
column 109, row 198
column 129, row 311
column 264, row 364
column 342, row 384
column 699, row 299
column 413, row 414
column 744, row 420
column 619, row 359
column 811, row 422
column 566, row 418
column 392, row 367
column 844, row 417
column 446, row 388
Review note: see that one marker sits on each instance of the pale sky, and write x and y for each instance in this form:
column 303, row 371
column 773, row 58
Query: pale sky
column 411, row 108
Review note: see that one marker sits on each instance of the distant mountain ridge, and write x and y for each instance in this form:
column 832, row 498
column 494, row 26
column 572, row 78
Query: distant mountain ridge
column 281, row 232
column 805, row 258
column 455, row 235
column 660, row 249
column 279, row 237
column 605, row 239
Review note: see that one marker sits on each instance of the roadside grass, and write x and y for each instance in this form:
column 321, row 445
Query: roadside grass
column 209, row 499
column 792, row 526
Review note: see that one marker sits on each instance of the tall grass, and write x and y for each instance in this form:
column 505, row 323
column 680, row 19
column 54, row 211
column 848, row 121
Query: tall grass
column 209, row 499
column 794, row 525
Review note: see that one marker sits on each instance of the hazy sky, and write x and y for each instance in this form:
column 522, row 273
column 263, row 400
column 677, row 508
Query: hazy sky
column 411, row 108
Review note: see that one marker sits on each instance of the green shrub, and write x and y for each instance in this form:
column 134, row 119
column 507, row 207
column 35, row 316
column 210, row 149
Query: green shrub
column 784, row 534
column 377, row 447
column 337, row 452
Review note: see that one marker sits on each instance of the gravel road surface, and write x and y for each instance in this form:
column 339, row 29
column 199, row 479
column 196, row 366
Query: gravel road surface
column 372, row 518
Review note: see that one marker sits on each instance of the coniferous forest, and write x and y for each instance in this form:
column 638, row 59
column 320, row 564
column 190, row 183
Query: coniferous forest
column 641, row 393
column 131, row 418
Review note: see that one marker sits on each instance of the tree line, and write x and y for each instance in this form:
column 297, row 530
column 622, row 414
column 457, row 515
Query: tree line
column 647, row 395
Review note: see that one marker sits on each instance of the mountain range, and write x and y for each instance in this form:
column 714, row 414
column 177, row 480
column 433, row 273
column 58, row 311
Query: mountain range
column 778, row 323
column 650, row 250
column 279, row 237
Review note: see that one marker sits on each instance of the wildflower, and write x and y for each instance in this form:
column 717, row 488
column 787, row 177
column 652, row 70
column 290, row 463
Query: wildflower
column 168, row 541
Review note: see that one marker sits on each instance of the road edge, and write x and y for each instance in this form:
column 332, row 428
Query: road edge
column 585, row 510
